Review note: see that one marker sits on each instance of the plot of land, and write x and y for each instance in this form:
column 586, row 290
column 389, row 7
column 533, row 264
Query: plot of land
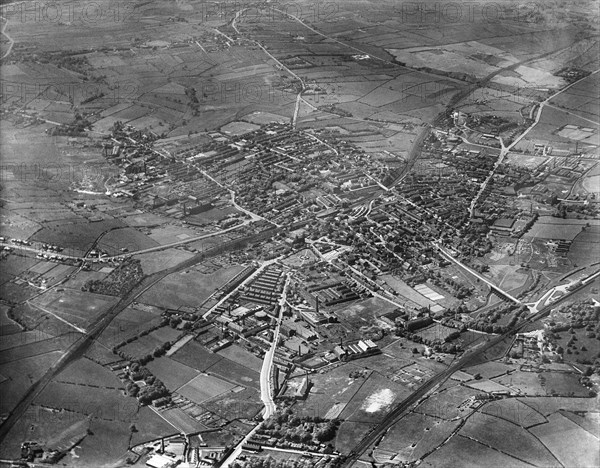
column 204, row 387
column 508, row 438
column 565, row 440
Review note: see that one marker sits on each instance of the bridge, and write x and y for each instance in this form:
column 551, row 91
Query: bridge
column 496, row 289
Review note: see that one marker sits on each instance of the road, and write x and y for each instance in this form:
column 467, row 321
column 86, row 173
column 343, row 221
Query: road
column 137, row 252
column 447, row 255
column 266, row 372
column 265, row 383
column 469, row 358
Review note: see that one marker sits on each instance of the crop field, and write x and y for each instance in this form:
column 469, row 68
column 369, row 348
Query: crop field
column 172, row 373
column 415, row 435
column 564, row 439
column 196, row 356
column 204, row 387
column 241, row 356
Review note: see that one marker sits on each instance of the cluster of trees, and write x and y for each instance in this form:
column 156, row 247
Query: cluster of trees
column 270, row 462
column 76, row 128
column 310, row 430
column 153, row 390
column 119, row 281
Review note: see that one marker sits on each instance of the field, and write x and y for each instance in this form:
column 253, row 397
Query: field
column 334, row 388
column 239, row 355
column 188, row 287
column 446, row 404
column 507, row 438
column 435, row 332
column 19, row 375
column 196, row 356
column 172, row 373
column 76, row 307
column 466, row 453
column 414, row 436
column 203, row 387
column 349, row 433
column 238, row 404
column 515, row 411
column 373, row 400
column 565, row 440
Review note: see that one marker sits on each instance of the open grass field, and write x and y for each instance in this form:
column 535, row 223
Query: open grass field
column 204, row 387
column 416, row 435
column 20, row 374
column 87, row 372
column 446, row 404
column 195, row 355
column 565, row 440
column 125, row 238
column 184, row 423
column 156, row 261
column 435, row 332
column 172, row 373
column 244, row 404
column 150, row 426
column 187, row 288
column 76, row 307
column 564, row 384
column 373, row 400
column 241, row 356
column 332, row 389
column 515, row 411
column 349, row 433
column 129, row 323
column 101, row 403
column 235, row 373
column 508, row 438
column 467, row 453
column 43, row 425
column 549, row 405
column 527, row 383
